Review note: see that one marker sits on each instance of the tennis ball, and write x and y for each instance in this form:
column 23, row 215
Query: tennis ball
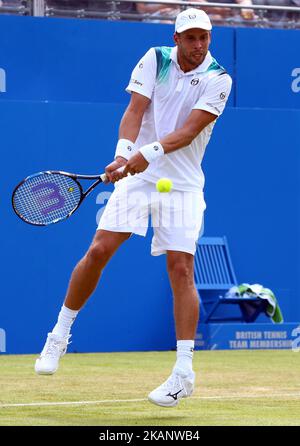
column 164, row 185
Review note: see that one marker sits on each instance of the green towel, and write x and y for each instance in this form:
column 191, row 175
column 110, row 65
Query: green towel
column 257, row 290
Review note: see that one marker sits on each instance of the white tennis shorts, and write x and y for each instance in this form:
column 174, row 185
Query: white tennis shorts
column 176, row 217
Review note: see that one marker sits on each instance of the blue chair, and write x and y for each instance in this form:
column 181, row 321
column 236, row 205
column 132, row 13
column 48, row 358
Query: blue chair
column 214, row 275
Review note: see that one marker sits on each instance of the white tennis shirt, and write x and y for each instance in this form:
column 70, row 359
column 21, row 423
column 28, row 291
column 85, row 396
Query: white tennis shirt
column 174, row 94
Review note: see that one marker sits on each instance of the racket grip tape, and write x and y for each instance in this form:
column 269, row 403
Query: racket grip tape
column 103, row 175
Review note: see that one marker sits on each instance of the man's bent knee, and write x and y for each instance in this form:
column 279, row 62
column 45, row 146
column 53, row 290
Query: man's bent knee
column 104, row 245
column 98, row 253
column 181, row 268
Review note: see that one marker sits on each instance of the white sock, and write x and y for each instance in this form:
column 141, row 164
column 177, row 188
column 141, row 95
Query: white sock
column 64, row 323
column 185, row 350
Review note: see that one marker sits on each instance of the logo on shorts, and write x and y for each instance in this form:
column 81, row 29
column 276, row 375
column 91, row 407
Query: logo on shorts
column 195, row 81
column 223, row 95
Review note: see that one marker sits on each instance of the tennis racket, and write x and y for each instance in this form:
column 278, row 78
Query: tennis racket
column 49, row 197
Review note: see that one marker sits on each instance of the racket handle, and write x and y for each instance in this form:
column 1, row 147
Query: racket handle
column 103, row 175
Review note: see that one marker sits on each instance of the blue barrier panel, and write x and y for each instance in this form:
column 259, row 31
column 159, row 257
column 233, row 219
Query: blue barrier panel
column 83, row 60
column 71, row 60
column 251, row 166
column 251, row 194
column 267, row 68
column 248, row 336
column 132, row 308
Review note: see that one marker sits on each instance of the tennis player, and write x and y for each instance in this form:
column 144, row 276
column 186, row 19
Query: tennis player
column 176, row 96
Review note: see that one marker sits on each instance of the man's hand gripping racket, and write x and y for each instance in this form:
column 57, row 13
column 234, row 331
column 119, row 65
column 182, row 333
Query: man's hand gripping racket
column 52, row 196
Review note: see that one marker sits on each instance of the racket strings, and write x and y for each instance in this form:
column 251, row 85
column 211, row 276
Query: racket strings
column 46, row 198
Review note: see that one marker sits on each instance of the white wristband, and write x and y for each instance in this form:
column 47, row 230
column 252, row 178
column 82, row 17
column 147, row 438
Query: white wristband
column 152, row 151
column 125, row 148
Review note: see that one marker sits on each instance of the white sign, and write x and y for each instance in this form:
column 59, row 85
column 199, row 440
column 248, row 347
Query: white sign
column 2, row 81
column 2, row 341
column 296, row 81
column 296, row 342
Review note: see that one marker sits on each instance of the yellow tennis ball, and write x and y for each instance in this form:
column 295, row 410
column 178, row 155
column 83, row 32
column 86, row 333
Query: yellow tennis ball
column 164, row 185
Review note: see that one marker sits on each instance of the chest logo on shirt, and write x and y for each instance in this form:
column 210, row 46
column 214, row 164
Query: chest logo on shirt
column 195, row 81
column 141, row 65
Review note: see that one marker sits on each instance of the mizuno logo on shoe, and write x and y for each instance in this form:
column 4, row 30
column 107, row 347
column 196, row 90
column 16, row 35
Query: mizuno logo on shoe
column 174, row 395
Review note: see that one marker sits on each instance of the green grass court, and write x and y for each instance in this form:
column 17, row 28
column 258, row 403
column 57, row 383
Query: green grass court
column 104, row 389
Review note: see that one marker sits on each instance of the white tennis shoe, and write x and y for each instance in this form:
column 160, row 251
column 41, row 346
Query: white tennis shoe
column 54, row 349
column 177, row 386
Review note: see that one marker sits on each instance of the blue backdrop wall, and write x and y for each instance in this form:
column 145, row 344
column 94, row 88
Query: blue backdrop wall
column 61, row 102
column 82, row 60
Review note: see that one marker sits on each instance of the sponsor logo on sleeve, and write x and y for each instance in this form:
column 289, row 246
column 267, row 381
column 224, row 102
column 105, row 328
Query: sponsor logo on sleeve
column 134, row 81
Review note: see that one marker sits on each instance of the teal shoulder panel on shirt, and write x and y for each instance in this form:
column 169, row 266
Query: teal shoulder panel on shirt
column 215, row 66
column 163, row 62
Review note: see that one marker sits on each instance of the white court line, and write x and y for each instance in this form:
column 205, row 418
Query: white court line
column 140, row 400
